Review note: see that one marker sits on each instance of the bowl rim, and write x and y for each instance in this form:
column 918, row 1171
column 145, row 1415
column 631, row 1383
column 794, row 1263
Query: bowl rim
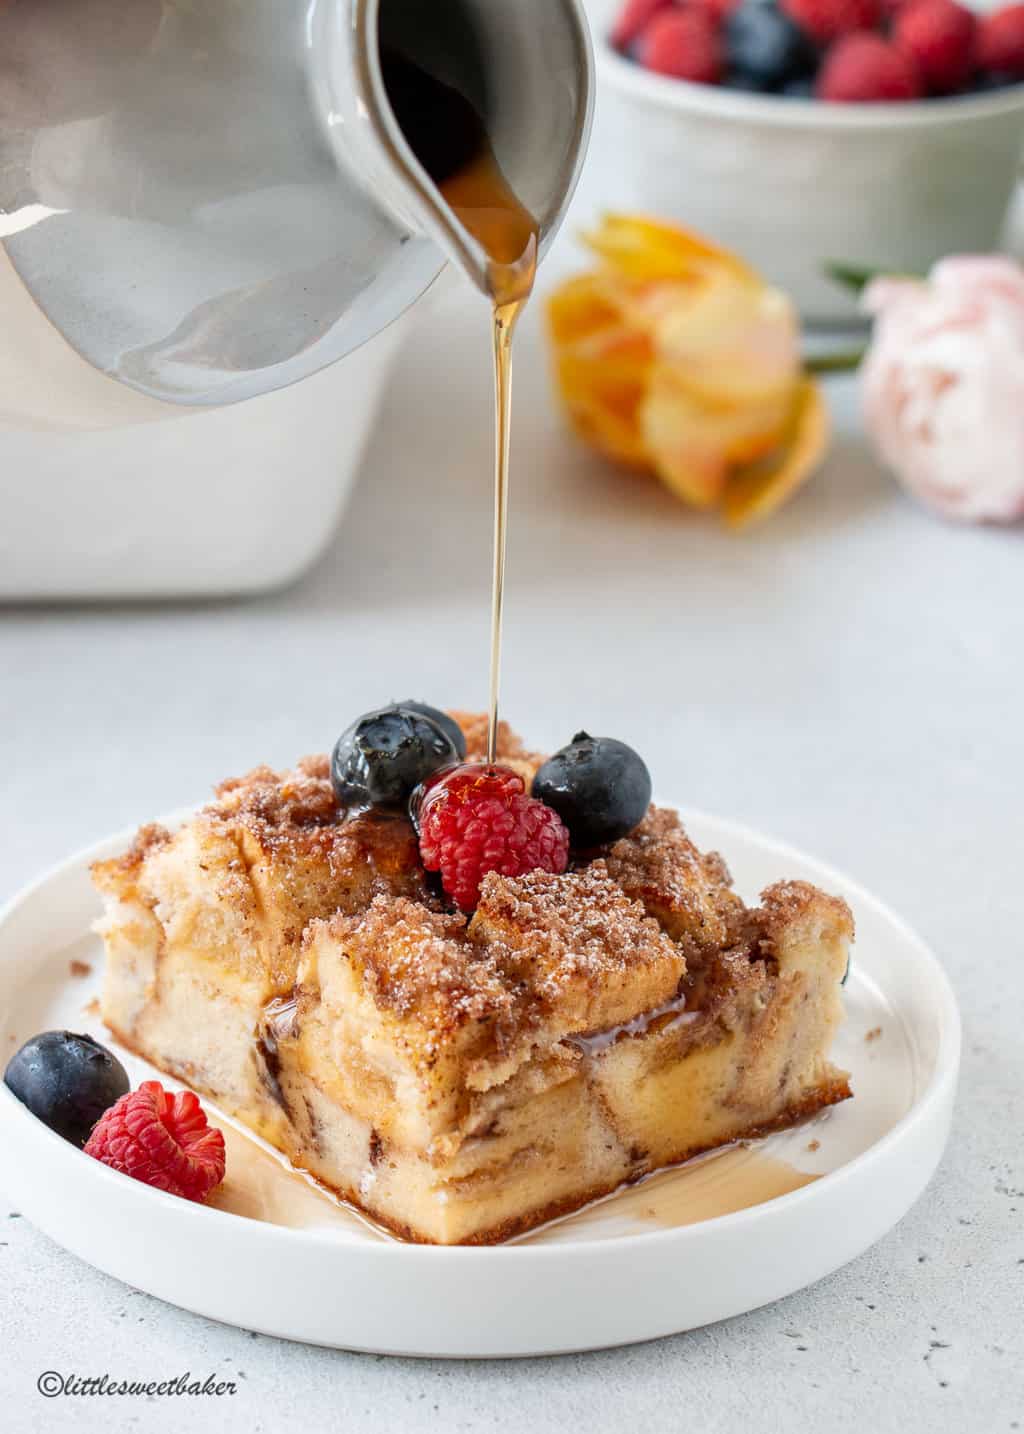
column 716, row 101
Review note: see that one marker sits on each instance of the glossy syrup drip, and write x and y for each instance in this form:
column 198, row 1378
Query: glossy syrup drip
column 442, row 120
column 484, row 204
column 671, row 1015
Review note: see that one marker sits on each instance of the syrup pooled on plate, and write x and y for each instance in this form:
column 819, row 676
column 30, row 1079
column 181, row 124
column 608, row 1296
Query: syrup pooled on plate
column 446, row 133
column 261, row 1185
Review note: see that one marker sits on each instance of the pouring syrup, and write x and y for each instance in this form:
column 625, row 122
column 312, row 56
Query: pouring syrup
column 450, row 140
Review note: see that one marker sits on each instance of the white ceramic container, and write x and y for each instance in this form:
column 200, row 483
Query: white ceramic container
column 792, row 184
column 192, row 502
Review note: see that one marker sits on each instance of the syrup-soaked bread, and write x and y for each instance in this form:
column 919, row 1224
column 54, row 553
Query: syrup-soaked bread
column 461, row 1080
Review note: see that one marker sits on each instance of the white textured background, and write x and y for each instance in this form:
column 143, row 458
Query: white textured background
column 849, row 678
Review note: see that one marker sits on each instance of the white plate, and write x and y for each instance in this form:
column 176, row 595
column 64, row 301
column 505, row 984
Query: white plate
column 611, row 1276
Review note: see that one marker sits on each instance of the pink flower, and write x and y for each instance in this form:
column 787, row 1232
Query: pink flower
column 944, row 385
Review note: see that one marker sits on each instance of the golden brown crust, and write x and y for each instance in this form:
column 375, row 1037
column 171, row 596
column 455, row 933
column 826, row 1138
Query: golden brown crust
column 282, row 810
column 686, row 891
column 118, row 874
column 786, row 903
column 421, row 966
column 577, row 945
column 543, row 954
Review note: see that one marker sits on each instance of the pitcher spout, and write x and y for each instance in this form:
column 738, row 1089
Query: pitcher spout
column 431, row 92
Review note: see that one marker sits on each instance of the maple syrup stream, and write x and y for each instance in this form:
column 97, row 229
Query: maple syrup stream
column 445, row 129
column 484, row 204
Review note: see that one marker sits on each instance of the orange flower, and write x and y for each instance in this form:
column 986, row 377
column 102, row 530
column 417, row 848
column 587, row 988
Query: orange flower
column 674, row 357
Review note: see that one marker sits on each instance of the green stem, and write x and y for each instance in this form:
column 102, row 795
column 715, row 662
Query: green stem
column 851, row 276
column 844, row 361
column 856, row 277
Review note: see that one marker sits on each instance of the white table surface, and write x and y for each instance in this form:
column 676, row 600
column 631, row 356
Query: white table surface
column 848, row 677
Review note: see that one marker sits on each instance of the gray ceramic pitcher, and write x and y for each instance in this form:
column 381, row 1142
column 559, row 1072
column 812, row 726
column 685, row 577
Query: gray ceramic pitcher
column 211, row 199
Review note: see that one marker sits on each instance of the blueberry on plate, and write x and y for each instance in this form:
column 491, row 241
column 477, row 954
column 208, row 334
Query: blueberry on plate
column 446, row 723
column 66, row 1081
column 385, row 755
column 599, row 787
column 766, row 47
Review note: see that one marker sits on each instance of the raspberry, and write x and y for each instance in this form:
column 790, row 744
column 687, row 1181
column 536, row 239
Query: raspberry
column 164, row 1140
column 826, row 20
column 1000, row 49
column 864, row 67
column 475, row 819
column 684, row 44
column 939, row 36
column 716, row 10
column 634, row 18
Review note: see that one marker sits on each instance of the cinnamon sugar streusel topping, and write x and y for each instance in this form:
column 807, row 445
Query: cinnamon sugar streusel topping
column 294, row 816
column 565, row 928
column 538, row 946
column 274, row 804
column 421, row 963
column 658, row 854
column 687, row 891
column 786, row 902
column 119, row 872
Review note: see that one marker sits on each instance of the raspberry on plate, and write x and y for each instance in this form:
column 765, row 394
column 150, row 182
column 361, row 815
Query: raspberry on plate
column 1000, row 48
column 863, row 68
column 825, row 20
column 683, row 44
column 475, row 819
column 162, row 1139
column 940, row 37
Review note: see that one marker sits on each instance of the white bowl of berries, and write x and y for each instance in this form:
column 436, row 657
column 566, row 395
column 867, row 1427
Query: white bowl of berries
column 803, row 133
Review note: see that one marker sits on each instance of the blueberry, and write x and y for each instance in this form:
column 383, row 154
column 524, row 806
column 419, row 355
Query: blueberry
column 801, row 89
column 764, row 45
column 446, row 723
column 385, row 755
column 990, row 80
column 599, row 787
column 67, row 1081
column 737, row 80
